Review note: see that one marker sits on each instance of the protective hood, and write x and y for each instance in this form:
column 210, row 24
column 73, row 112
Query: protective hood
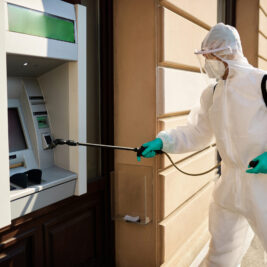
column 224, row 42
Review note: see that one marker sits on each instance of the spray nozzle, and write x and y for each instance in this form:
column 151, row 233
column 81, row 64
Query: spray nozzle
column 56, row 142
column 59, row 142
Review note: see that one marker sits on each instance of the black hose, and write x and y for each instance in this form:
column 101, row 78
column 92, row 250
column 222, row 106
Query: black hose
column 187, row 173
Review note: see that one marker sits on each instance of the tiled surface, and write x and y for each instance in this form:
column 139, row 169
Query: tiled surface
column 255, row 255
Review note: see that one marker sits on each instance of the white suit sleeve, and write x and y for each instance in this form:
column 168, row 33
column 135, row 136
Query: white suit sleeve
column 196, row 134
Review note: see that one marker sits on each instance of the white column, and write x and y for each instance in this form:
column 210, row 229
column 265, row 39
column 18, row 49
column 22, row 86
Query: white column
column 5, row 214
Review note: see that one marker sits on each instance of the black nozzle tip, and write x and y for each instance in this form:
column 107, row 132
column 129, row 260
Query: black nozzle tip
column 253, row 163
column 59, row 142
column 56, row 142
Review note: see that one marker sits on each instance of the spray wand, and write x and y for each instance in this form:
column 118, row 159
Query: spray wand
column 138, row 150
column 74, row 143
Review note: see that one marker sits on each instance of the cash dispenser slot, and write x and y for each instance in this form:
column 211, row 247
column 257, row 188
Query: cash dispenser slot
column 36, row 113
column 36, row 97
column 37, row 100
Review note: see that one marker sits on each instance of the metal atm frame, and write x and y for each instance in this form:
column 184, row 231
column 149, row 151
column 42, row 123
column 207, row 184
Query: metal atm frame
column 43, row 84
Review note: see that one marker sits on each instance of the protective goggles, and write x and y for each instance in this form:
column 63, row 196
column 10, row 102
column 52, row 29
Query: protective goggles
column 210, row 51
column 24, row 179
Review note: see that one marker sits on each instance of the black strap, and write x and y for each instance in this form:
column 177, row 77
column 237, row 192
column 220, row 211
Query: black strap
column 263, row 89
column 214, row 87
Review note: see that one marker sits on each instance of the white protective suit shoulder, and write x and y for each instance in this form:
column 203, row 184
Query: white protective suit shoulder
column 196, row 134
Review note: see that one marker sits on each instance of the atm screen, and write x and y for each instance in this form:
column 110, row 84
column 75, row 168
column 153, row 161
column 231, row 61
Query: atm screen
column 15, row 133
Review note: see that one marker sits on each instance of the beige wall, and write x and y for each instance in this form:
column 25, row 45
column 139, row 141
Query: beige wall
column 247, row 10
column 253, row 34
column 157, row 82
column 134, row 114
column 262, row 53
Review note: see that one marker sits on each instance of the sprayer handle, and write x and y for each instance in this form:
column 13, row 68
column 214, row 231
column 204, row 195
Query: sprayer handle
column 141, row 149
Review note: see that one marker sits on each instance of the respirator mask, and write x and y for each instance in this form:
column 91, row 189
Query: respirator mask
column 214, row 68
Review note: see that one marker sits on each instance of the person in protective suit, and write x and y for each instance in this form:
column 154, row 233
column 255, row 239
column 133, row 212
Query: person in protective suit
column 235, row 112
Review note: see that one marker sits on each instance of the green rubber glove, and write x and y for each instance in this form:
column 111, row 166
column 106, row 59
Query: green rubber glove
column 261, row 166
column 151, row 146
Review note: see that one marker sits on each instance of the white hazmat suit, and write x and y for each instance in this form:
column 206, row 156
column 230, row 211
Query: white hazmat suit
column 236, row 114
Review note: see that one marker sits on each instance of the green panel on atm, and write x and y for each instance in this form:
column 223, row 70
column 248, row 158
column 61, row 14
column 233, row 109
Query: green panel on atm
column 31, row 22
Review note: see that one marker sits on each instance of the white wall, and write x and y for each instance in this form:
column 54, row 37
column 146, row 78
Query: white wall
column 4, row 155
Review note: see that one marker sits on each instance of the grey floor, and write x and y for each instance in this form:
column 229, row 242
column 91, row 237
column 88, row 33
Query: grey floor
column 255, row 255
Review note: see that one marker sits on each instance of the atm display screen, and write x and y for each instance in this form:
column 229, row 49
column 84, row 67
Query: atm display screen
column 15, row 133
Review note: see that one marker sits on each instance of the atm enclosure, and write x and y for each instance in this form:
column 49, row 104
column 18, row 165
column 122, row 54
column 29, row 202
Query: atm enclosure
column 43, row 96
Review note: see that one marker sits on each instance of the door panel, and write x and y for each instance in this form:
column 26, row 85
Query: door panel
column 20, row 249
column 71, row 239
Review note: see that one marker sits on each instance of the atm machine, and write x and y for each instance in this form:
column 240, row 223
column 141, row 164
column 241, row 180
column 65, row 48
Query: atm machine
column 44, row 91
